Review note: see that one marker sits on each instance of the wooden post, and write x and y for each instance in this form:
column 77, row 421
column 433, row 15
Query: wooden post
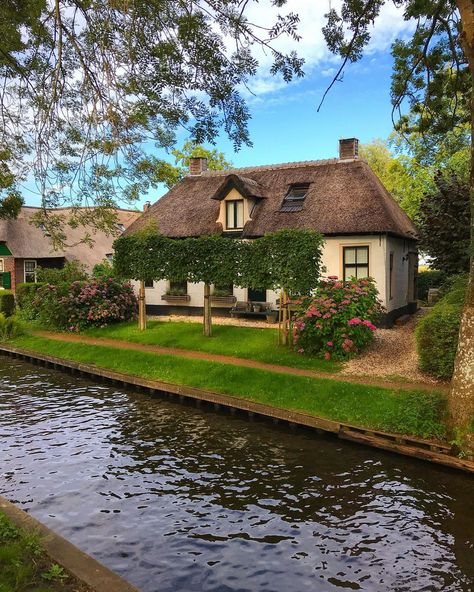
column 280, row 317
column 207, row 329
column 141, row 307
column 284, row 319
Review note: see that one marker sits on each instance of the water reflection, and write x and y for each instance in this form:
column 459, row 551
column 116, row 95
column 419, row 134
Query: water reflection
column 179, row 499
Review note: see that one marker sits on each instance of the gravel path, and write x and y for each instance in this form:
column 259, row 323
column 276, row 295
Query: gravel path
column 392, row 354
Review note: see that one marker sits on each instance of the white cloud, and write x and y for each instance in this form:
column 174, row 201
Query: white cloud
column 389, row 25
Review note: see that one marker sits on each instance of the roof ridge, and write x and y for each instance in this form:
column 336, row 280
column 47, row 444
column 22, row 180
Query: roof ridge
column 277, row 166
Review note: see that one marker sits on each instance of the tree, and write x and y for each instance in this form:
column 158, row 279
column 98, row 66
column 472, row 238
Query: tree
column 216, row 161
column 404, row 178
column 433, row 73
column 442, row 222
column 87, row 86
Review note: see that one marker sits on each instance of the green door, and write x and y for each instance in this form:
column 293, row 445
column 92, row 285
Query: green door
column 6, row 280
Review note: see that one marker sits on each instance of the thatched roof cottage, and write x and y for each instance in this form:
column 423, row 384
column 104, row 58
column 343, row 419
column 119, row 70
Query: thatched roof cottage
column 366, row 231
column 24, row 246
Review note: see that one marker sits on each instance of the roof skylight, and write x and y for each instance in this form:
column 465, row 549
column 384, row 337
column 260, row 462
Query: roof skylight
column 294, row 199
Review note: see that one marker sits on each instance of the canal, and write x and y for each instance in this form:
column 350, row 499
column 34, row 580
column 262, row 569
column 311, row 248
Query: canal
column 179, row 499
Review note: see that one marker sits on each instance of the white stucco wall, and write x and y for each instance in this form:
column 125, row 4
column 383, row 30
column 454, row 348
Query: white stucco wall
column 380, row 247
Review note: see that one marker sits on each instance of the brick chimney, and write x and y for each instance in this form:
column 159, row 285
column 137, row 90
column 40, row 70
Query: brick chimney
column 146, row 206
column 348, row 148
column 197, row 165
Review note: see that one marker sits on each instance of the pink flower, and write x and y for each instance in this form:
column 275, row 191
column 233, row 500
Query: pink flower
column 301, row 350
column 330, row 344
column 327, row 356
column 354, row 321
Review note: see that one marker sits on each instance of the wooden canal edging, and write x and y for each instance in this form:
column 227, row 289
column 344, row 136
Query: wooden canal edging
column 430, row 450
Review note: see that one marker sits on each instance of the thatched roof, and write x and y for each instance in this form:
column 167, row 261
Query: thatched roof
column 344, row 197
column 27, row 241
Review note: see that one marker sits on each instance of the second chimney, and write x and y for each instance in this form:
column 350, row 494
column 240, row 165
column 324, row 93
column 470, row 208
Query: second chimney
column 348, row 148
column 197, row 165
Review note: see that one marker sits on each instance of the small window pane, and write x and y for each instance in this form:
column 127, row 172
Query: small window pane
column 350, row 272
column 230, row 214
column 240, row 214
column 1, row 265
column 350, row 255
column 148, row 283
column 362, row 272
column 362, row 255
column 30, row 265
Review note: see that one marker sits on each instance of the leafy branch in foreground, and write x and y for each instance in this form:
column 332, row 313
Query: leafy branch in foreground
column 89, row 89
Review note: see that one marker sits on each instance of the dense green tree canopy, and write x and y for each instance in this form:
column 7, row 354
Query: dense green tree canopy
column 443, row 224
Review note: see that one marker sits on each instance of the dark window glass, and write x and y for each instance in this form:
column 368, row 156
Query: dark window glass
column 148, row 283
column 294, row 199
column 355, row 262
column 178, row 288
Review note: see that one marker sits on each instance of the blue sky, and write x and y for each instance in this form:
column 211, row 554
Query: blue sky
column 285, row 124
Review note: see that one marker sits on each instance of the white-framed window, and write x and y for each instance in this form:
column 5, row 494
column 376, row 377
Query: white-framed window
column 2, row 266
column 30, row 271
column 234, row 214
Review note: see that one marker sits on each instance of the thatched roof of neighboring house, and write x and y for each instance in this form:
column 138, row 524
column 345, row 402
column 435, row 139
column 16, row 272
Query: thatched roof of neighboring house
column 25, row 240
column 344, row 197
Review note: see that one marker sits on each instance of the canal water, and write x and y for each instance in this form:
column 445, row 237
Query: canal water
column 178, row 499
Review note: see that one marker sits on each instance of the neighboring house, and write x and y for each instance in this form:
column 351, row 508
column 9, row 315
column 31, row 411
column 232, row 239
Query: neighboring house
column 366, row 231
column 24, row 247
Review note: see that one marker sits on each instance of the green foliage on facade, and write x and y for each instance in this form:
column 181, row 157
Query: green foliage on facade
column 289, row 259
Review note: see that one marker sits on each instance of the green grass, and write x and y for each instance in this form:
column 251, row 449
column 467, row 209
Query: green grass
column 25, row 567
column 410, row 412
column 241, row 342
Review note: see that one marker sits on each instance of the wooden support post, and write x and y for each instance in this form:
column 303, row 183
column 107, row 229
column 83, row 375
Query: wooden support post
column 284, row 320
column 141, row 307
column 207, row 329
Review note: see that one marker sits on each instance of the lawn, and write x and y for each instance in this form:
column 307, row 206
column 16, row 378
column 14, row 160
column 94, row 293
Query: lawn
column 241, row 342
column 25, row 567
column 409, row 412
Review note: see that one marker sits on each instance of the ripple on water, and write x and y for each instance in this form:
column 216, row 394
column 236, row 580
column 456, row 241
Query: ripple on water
column 180, row 499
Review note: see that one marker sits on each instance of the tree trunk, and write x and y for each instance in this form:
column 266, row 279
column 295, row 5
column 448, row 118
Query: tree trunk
column 207, row 329
column 141, row 307
column 461, row 397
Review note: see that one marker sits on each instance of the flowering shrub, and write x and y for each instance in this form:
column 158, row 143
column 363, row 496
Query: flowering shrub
column 338, row 321
column 79, row 305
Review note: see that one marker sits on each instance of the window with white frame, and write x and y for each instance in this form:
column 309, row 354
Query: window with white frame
column 30, row 271
column 234, row 214
column 2, row 266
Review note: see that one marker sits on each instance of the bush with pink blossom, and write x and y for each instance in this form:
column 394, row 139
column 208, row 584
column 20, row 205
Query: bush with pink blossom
column 338, row 320
column 93, row 303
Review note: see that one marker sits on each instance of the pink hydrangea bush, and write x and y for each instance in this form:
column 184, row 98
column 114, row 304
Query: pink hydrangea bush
column 95, row 303
column 338, row 321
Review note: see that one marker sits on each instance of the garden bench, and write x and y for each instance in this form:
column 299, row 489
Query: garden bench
column 246, row 309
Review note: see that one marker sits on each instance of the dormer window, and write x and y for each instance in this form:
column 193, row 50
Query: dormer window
column 294, row 199
column 234, row 214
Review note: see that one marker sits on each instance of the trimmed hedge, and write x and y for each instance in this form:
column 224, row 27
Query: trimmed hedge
column 429, row 279
column 7, row 303
column 437, row 333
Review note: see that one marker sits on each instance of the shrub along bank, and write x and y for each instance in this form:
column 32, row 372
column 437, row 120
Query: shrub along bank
column 437, row 333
